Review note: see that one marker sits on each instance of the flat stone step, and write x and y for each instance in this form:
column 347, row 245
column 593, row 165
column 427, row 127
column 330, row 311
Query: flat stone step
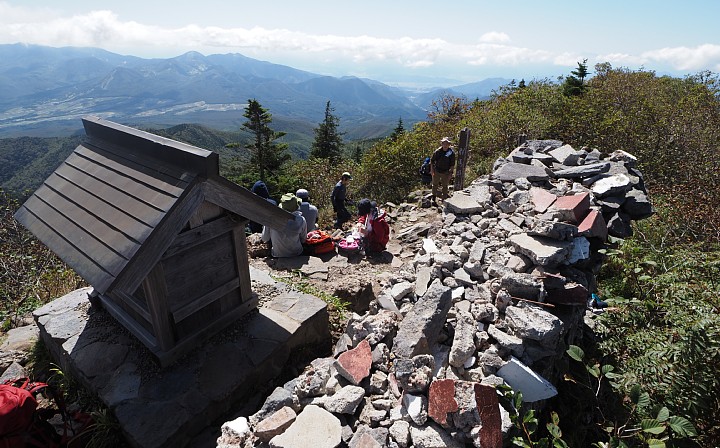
column 169, row 407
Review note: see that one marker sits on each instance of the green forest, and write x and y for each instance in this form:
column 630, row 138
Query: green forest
column 648, row 375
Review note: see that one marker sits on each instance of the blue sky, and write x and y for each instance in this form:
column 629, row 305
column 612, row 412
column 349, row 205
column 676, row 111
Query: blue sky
column 401, row 42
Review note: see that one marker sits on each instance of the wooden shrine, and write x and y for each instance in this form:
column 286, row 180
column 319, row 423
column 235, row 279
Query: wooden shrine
column 158, row 233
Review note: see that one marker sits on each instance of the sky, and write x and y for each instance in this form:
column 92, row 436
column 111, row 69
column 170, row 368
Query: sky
column 398, row 42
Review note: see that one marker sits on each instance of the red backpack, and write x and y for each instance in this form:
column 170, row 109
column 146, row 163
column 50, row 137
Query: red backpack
column 20, row 425
column 318, row 242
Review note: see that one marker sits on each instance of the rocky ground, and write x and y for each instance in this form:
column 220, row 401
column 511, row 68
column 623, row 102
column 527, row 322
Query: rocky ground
column 488, row 290
column 484, row 289
column 354, row 278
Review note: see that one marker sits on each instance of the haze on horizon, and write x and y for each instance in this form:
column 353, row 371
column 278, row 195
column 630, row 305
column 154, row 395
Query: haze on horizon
column 419, row 42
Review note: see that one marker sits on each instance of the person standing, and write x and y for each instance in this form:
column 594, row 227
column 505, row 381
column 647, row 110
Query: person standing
column 288, row 242
column 442, row 163
column 339, row 200
column 425, row 172
column 309, row 211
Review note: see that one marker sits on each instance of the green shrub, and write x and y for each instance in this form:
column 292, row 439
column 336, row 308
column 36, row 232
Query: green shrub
column 665, row 336
column 30, row 274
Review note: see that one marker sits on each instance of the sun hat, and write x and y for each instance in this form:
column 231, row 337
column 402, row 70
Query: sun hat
column 302, row 193
column 347, row 175
column 289, row 202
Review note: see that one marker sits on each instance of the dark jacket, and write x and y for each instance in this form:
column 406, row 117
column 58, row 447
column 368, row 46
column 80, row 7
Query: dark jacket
column 260, row 189
column 337, row 198
column 425, row 172
column 443, row 160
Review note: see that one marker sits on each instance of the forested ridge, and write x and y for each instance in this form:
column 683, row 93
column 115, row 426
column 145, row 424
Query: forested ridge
column 651, row 365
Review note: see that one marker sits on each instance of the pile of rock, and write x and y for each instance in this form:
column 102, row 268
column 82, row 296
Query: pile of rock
column 493, row 296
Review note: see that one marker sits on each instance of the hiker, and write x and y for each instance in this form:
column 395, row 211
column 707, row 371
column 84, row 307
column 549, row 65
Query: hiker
column 442, row 163
column 288, row 242
column 425, row 172
column 374, row 229
column 260, row 189
column 338, row 200
column 309, row 211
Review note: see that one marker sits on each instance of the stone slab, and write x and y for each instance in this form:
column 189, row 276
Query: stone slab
column 167, row 407
column 523, row 379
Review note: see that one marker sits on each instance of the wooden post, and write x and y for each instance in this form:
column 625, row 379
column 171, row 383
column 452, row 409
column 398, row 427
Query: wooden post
column 462, row 156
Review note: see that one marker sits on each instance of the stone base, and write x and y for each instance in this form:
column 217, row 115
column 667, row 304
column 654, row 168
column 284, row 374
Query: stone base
column 168, row 407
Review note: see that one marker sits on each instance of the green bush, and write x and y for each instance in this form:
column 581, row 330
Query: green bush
column 665, row 334
column 30, row 274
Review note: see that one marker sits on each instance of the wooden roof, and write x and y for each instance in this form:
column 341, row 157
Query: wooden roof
column 117, row 202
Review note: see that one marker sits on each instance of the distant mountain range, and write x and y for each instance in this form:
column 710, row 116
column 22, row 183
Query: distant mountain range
column 44, row 91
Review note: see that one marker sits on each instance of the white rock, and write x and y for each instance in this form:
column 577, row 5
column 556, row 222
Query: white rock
column 522, row 378
column 429, row 246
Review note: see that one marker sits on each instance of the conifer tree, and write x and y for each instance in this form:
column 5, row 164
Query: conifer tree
column 328, row 140
column 398, row 131
column 266, row 155
column 574, row 84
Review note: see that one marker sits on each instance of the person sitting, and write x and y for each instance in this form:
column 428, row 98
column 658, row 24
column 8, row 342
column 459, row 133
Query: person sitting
column 260, row 189
column 309, row 211
column 288, row 242
column 372, row 225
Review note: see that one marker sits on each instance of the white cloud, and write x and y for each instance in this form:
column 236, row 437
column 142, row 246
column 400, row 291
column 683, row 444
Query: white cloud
column 494, row 37
column 494, row 54
column 103, row 28
column 684, row 58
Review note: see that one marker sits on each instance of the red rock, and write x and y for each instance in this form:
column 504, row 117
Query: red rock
column 593, row 226
column 275, row 424
column 355, row 364
column 488, row 408
column 441, row 400
column 542, row 199
column 574, row 207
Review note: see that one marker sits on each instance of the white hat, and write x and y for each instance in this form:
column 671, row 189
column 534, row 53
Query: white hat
column 302, row 193
column 346, row 175
column 445, row 139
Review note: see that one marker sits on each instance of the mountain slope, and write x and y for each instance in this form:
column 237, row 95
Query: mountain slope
column 57, row 86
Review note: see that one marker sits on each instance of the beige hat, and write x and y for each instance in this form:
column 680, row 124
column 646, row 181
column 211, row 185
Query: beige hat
column 289, row 202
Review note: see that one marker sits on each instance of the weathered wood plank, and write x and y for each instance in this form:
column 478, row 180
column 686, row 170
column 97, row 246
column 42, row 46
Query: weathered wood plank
column 85, row 267
column 191, row 341
column 157, row 243
column 93, row 224
column 135, row 328
column 93, row 248
column 111, row 213
column 152, row 177
column 143, row 212
column 105, row 133
column 199, row 235
column 191, row 274
column 241, row 262
column 243, row 202
column 190, row 308
column 134, row 304
column 151, row 196
column 209, row 211
column 156, row 294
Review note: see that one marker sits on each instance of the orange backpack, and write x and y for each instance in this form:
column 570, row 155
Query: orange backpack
column 318, row 242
